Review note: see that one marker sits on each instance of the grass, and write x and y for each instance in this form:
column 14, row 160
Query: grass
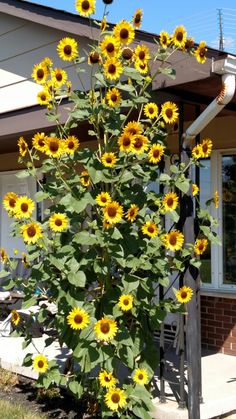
column 7, row 380
column 17, row 411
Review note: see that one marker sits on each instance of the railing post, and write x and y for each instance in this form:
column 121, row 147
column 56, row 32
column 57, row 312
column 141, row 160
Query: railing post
column 162, row 354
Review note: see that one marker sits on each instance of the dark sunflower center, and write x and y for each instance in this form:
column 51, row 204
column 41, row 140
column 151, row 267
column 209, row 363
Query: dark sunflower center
column 126, row 302
column 142, row 66
column 115, row 398
column 59, row 77
column 12, row 202
column 40, row 73
column 114, row 97
column 15, row 316
column 71, row 145
column 78, row 319
column 164, row 39
column 107, row 379
column 202, row 52
column 173, row 240
column 58, row 222
column 23, row 146
column 126, row 142
column 110, row 47
column 170, row 202
column 105, row 327
column 156, row 153
column 140, row 376
column 109, row 160
column 67, row 50
column 127, row 53
column 137, row 18
column 31, row 231
column 141, row 55
column 201, row 246
column 111, row 211
column 103, row 199
column 151, row 110
column 24, row 207
column 131, row 212
column 151, row 229
column 40, row 364
column 184, row 294
column 85, row 5
column 179, row 36
column 41, row 142
column 124, row 33
column 205, row 148
column 94, row 57
column 169, row 113
column 112, row 69
column 43, row 96
column 138, row 143
column 54, row 146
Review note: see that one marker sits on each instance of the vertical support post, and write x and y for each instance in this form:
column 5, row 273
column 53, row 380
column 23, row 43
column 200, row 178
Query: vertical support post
column 192, row 324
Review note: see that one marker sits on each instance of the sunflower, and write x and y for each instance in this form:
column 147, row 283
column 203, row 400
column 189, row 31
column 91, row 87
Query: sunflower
column 59, row 77
column 179, row 37
column 113, row 97
column 169, row 112
column 44, row 97
column 23, row 146
column 206, row 147
column 9, row 201
column 133, row 128
column 84, row 178
column 155, row 153
column 31, row 232
column 132, row 212
column 105, row 329
column 170, row 201
column 189, row 44
column 151, row 110
column 94, row 58
column 112, row 68
column 103, row 24
column 24, row 259
column 200, row 52
column 197, row 151
column 71, row 144
column 124, row 32
column 15, row 317
column 141, row 66
column 85, row 7
column 67, row 49
column 24, row 207
column 38, row 141
column 137, row 18
column 40, row 363
column 174, row 240
column 184, row 294
column 3, row 255
column 150, row 229
column 126, row 141
column 106, row 224
column 108, row 159
column 216, row 199
column 115, row 399
column 58, row 222
column 140, row 376
column 141, row 53
column 103, row 199
column 165, row 39
column 125, row 302
column 47, row 61
column 78, row 318
column 140, row 144
column 107, row 379
column 40, row 73
column 110, row 47
column 54, row 147
column 195, row 189
column 113, row 212
column 200, row 246
column 127, row 53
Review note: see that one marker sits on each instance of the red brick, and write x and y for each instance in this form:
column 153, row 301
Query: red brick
column 229, row 351
column 215, row 323
column 230, row 313
column 219, row 342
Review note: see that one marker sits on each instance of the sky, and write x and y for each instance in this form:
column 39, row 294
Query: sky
column 200, row 18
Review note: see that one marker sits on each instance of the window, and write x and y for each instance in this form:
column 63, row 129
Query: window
column 219, row 262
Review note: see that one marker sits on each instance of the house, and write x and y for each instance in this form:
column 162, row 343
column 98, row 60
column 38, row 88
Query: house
column 29, row 33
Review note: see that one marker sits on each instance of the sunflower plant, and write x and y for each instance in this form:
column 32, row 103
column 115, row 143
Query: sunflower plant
column 101, row 249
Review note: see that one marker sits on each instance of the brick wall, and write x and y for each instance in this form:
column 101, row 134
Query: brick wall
column 218, row 324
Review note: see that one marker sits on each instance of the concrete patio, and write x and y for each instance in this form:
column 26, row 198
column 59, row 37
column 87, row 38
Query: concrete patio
column 218, row 374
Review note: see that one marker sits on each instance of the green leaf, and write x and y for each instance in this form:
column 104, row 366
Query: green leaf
column 77, row 278
column 101, row 79
column 22, row 174
column 183, row 185
column 174, row 216
column 85, row 238
column 140, row 412
column 40, row 196
column 76, row 388
column 164, row 177
column 170, row 72
column 29, row 302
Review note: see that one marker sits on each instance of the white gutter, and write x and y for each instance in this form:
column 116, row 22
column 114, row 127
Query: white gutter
column 227, row 68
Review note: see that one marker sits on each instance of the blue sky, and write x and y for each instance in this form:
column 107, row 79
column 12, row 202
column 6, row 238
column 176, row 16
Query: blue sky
column 199, row 17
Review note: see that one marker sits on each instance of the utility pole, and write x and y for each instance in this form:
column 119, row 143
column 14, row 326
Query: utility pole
column 221, row 37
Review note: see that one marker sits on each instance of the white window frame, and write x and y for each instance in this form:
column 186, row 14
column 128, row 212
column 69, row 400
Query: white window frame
column 216, row 283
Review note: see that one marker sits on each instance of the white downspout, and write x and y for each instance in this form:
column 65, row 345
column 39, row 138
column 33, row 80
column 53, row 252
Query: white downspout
column 227, row 68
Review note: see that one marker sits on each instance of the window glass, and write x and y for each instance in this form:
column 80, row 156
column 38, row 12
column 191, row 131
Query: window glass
column 229, row 218
column 204, row 195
